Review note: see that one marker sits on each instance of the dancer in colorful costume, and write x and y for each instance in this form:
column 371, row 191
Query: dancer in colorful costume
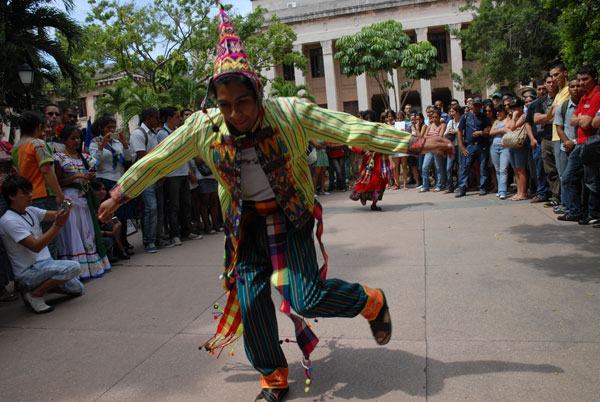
column 256, row 148
column 374, row 174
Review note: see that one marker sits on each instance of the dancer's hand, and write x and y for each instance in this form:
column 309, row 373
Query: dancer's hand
column 439, row 146
column 106, row 210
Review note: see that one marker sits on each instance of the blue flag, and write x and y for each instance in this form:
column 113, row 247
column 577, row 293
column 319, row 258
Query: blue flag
column 88, row 135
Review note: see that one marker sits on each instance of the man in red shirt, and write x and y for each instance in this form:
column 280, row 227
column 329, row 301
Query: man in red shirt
column 583, row 206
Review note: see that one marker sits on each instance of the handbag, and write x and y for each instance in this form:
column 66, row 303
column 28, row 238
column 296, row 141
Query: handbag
column 515, row 139
column 312, row 156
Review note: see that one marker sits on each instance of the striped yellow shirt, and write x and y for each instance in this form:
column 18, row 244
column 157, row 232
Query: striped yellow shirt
column 281, row 144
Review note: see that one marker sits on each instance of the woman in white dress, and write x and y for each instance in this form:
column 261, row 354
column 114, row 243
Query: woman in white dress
column 80, row 238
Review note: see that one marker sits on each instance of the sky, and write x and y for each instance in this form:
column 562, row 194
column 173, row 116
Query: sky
column 82, row 7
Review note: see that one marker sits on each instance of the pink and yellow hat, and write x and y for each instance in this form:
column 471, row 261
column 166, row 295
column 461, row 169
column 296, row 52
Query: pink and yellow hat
column 231, row 58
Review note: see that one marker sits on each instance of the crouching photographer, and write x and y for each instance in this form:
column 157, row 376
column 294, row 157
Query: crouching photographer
column 36, row 273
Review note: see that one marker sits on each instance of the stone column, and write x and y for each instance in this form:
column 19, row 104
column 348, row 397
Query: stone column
column 330, row 77
column 425, row 84
column 456, row 62
column 298, row 74
column 361, row 90
column 269, row 74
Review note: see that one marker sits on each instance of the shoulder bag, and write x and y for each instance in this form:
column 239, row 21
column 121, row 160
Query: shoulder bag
column 515, row 139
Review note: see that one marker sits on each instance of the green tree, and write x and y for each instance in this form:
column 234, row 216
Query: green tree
column 176, row 37
column 113, row 100
column 579, row 25
column 28, row 30
column 282, row 88
column 187, row 92
column 140, row 97
column 512, row 41
column 380, row 48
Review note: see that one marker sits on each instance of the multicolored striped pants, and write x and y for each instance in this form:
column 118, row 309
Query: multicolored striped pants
column 310, row 295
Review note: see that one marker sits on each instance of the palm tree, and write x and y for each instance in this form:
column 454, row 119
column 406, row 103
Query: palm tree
column 141, row 97
column 29, row 32
column 282, row 88
column 187, row 92
column 112, row 100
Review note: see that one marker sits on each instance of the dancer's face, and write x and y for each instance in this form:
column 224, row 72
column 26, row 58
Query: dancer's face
column 237, row 103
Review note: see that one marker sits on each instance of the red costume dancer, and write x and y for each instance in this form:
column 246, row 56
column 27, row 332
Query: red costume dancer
column 372, row 181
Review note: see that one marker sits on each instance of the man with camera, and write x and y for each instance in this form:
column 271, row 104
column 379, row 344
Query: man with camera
column 36, row 273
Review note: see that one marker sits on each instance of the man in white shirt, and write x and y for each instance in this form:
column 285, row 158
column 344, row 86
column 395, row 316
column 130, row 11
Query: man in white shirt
column 27, row 247
column 142, row 141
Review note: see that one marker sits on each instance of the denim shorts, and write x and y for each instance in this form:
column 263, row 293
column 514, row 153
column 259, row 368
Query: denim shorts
column 60, row 270
column 519, row 157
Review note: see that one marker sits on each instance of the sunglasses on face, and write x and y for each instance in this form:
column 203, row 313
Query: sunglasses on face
column 53, row 114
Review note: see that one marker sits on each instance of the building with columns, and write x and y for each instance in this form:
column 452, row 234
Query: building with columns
column 319, row 23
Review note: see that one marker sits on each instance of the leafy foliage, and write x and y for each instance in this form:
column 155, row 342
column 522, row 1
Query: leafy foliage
column 513, row 40
column 28, row 35
column 380, row 48
column 579, row 23
column 282, row 88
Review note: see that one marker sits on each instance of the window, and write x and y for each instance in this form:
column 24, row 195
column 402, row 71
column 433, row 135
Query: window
column 316, row 63
column 351, row 107
column 288, row 73
column 413, row 38
column 439, row 41
column 82, row 107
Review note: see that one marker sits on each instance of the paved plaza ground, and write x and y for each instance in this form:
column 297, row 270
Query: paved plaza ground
column 491, row 301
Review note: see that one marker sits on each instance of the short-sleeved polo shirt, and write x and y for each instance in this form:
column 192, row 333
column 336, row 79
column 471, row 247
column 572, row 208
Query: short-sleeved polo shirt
column 589, row 104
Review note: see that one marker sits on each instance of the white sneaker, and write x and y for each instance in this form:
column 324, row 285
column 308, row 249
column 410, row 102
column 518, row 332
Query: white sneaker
column 176, row 241
column 38, row 304
column 151, row 248
column 194, row 236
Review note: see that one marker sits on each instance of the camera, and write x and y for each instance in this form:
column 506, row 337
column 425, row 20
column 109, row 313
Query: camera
column 115, row 220
column 66, row 204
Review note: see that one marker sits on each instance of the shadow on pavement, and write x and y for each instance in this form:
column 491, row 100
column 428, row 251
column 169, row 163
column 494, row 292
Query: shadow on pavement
column 370, row 373
column 358, row 208
column 582, row 267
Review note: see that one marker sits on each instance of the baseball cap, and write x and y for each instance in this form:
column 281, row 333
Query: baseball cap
column 477, row 100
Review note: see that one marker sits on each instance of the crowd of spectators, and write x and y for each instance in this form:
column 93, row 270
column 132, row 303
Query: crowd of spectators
column 56, row 175
column 53, row 181
column 558, row 115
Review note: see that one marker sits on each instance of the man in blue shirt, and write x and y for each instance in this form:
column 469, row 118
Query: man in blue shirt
column 473, row 141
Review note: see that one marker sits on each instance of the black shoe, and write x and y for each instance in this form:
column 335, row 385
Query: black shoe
column 569, row 218
column 123, row 255
column 460, row 194
column 588, row 221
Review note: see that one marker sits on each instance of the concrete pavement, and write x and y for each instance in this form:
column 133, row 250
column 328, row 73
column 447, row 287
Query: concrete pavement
column 491, row 301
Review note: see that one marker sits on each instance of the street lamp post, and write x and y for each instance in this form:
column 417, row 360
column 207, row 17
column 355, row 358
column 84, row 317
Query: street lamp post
column 26, row 77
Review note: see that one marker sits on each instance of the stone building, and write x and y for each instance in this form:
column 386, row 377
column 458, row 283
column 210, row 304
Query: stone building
column 318, row 23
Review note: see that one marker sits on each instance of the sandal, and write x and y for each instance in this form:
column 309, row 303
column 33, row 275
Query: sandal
column 379, row 325
column 272, row 394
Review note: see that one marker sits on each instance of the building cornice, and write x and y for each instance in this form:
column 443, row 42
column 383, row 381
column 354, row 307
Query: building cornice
column 308, row 13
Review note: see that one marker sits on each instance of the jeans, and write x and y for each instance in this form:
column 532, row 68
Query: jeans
column 60, row 270
column 450, row 163
column 582, row 185
column 180, row 205
column 49, row 204
column 550, row 169
column 538, row 162
column 561, row 158
column 149, row 218
column 337, row 165
column 440, row 170
column 501, row 159
column 476, row 152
